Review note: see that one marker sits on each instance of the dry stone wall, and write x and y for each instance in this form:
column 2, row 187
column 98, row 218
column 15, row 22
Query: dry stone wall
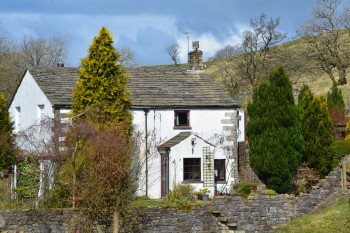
column 258, row 213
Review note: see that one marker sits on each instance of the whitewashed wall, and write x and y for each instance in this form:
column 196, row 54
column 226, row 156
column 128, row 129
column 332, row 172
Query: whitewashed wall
column 27, row 99
column 207, row 124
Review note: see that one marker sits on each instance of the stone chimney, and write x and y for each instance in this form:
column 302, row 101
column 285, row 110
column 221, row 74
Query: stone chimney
column 195, row 57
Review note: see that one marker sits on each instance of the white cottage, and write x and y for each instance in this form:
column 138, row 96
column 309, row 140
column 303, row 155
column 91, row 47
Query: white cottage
column 189, row 127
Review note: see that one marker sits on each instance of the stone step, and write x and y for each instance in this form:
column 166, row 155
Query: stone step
column 222, row 219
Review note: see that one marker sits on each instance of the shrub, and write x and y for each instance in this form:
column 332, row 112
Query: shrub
column 340, row 149
column 245, row 187
column 28, row 181
column 302, row 186
column 182, row 194
column 270, row 192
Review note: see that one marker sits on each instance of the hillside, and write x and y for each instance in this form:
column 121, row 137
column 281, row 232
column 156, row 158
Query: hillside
column 299, row 68
column 335, row 218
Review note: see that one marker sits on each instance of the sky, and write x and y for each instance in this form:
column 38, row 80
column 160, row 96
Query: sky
column 147, row 26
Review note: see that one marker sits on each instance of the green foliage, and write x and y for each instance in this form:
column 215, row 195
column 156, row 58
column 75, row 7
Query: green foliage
column 7, row 144
column 302, row 186
column 246, row 188
column 102, row 84
column 274, row 131
column 205, row 191
column 336, row 105
column 317, row 131
column 340, row 148
column 335, row 98
column 28, row 180
column 269, row 192
column 182, row 194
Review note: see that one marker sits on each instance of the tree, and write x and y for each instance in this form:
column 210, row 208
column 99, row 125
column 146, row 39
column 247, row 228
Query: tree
column 336, row 105
column 316, row 130
column 328, row 44
column 7, row 140
column 173, row 50
column 43, row 52
column 16, row 56
column 127, row 58
column 256, row 48
column 99, row 151
column 102, row 84
column 274, row 131
column 226, row 52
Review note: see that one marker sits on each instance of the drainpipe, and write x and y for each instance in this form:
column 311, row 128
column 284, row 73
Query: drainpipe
column 146, row 141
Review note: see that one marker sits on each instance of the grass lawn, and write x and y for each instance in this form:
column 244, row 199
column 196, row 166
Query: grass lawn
column 333, row 219
column 144, row 202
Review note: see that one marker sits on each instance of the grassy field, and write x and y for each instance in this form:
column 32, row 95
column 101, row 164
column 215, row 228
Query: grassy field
column 333, row 219
column 318, row 82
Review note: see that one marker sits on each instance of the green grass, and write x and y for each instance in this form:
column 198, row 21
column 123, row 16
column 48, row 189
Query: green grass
column 144, row 202
column 140, row 202
column 333, row 219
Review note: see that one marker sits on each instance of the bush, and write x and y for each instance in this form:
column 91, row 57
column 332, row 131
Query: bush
column 270, row 192
column 245, row 187
column 182, row 194
column 340, row 149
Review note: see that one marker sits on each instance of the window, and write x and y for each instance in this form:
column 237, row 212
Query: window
column 219, row 169
column 17, row 119
column 182, row 118
column 41, row 111
column 192, row 169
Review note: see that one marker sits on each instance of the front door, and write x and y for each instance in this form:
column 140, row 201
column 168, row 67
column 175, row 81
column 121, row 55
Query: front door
column 164, row 157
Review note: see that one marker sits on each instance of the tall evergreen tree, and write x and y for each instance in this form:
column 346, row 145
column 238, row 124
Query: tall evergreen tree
column 317, row 131
column 98, row 144
column 7, row 144
column 336, row 105
column 274, row 131
column 102, row 84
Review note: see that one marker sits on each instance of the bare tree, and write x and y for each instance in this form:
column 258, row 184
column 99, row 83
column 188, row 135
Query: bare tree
column 173, row 50
column 226, row 52
column 43, row 52
column 256, row 48
column 127, row 57
column 16, row 56
column 328, row 44
column 11, row 68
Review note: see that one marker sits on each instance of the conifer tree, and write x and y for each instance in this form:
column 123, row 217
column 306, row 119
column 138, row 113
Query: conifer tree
column 102, row 84
column 274, row 131
column 7, row 144
column 336, row 105
column 316, row 130
column 98, row 144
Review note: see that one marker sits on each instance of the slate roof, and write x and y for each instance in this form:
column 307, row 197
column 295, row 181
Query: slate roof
column 150, row 88
column 175, row 140
column 179, row 138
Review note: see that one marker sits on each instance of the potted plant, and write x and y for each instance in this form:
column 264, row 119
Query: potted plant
column 205, row 194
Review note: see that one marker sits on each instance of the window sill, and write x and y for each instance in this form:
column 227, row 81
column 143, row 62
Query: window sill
column 182, row 127
column 221, row 182
column 193, row 181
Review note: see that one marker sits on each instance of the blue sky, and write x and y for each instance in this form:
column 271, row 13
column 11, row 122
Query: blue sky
column 147, row 26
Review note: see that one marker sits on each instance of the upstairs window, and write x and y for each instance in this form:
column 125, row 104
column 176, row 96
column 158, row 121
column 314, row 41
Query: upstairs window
column 182, row 118
column 41, row 111
column 17, row 119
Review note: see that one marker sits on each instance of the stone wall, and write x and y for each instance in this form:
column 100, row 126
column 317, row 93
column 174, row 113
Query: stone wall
column 246, row 173
column 258, row 213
